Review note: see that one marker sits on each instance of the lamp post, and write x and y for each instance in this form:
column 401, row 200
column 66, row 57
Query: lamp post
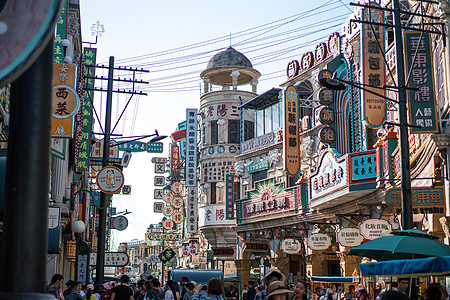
column 78, row 228
column 162, row 263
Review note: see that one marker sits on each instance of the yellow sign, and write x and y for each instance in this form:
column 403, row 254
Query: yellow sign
column 64, row 74
column 62, row 128
column 65, row 102
column 291, row 137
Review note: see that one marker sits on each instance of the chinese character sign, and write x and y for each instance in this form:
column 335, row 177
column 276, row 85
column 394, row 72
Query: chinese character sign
column 89, row 56
column 291, row 137
column 229, row 194
column 192, row 210
column 374, row 73
column 61, row 28
column 363, row 166
column 175, row 159
column 421, row 100
column 191, row 147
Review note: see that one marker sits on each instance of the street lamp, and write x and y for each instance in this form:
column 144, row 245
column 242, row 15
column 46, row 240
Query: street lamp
column 78, row 228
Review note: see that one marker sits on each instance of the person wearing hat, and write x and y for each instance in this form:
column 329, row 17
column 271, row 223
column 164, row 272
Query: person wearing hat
column 106, row 295
column 277, row 290
column 363, row 295
column 90, row 295
column 273, row 274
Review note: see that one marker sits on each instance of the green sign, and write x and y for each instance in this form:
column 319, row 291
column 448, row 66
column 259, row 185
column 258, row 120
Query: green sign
column 424, row 199
column 61, row 29
column 89, row 57
column 421, row 101
column 155, row 147
column 363, row 166
column 259, row 166
column 167, row 255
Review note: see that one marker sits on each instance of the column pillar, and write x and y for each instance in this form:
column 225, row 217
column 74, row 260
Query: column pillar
column 235, row 74
column 206, row 82
column 254, row 86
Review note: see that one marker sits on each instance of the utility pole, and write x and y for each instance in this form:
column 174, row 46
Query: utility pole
column 104, row 202
column 407, row 212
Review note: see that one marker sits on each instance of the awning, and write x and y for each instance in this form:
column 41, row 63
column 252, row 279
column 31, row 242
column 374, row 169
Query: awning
column 264, row 100
column 408, row 267
column 336, row 279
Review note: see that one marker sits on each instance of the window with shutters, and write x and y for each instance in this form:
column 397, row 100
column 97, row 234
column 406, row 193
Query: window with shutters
column 214, row 133
column 233, row 131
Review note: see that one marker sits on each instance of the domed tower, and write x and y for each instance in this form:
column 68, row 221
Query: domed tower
column 222, row 130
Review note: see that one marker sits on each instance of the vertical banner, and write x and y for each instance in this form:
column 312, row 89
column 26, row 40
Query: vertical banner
column 192, row 210
column 373, row 70
column 191, row 147
column 82, row 268
column 422, row 102
column 291, row 137
column 89, row 57
column 61, row 29
column 174, row 159
column 182, row 143
column 229, row 204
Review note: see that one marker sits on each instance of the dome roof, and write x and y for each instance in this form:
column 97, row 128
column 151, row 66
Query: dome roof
column 229, row 58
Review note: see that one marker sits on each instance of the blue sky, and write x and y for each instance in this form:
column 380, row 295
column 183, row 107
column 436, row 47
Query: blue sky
column 140, row 33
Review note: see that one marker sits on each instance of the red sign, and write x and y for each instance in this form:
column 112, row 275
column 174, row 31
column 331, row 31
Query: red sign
column 291, row 138
column 179, row 135
column 257, row 246
column 175, row 159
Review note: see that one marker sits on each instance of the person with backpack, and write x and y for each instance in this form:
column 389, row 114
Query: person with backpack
column 154, row 293
column 106, row 295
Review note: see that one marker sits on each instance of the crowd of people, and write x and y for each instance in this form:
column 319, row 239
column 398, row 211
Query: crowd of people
column 271, row 287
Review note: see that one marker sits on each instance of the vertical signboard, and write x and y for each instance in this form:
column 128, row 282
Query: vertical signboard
column 421, row 97
column 229, row 204
column 374, row 73
column 82, row 268
column 174, row 159
column 291, row 138
column 192, row 210
column 89, row 61
column 61, row 28
column 191, row 147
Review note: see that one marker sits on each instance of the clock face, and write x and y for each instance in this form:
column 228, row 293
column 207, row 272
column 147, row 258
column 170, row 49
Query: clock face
column 221, row 149
column 233, row 149
column 211, row 150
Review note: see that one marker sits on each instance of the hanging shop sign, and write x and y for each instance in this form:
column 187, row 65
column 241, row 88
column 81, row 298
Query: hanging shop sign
column 112, row 259
column 134, row 146
column 168, row 210
column 161, row 160
column 164, row 236
column 179, row 135
column 110, row 179
column 65, row 101
column 259, row 166
column 269, row 201
column 159, row 180
column 326, row 96
column 177, row 202
column 177, row 188
column 184, row 250
column 330, row 176
column 223, row 252
column 307, row 61
column 373, row 66
column 158, row 207
column 363, row 167
column 326, row 115
column 155, row 147
column 160, row 168
column 425, row 200
column 191, row 147
column 96, row 157
column 168, row 224
column 333, row 44
column 290, row 246
column 374, row 228
column 421, row 97
column 178, row 217
column 192, row 210
column 291, row 137
column 193, row 248
column 215, row 170
column 229, row 196
column 174, row 159
column 158, row 193
column 318, row 241
column 119, row 223
column 257, row 246
column 293, row 69
column 167, row 255
column 54, row 217
column 349, row 237
column 212, row 215
column 168, row 197
column 257, row 143
column 321, row 52
column 327, row 135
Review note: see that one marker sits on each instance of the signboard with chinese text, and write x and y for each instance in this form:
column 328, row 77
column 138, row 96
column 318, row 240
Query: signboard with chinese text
column 159, row 180
column 223, row 252
column 330, row 176
column 425, row 200
column 158, row 193
column 112, row 259
column 82, row 268
column 256, row 246
column 192, row 210
column 54, row 216
column 167, row 255
column 61, row 29
column 349, row 237
column 229, row 196
column 212, row 111
column 168, row 224
column 327, row 135
column 191, row 147
column 119, row 223
column 177, row 187
column 363, row 166
column 168, row 210
column 168, row 197
column 110, row 179
column 160, row 168
column 97, row 152
column 290, row 246
column 89, row 57
column 174, row 159
column 58, row 148
column 257, row 143
column 373, row 66
column 162, row 160
column 134, row 146
column 177, row 202
column 178, row 217
column 318, row 241
column 374, row 228
column 164, row 236
column 158, row 207
column 179, row 135
column 422, row 102
column 291, row 137
column 155, row 147
column 212, row 215
column 259, row 166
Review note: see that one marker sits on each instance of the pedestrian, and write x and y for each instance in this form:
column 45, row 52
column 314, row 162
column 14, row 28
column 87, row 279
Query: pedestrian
column 73, row 290
column 351, row 293
column 277, row 290
column 188, row 291
column 444, row 294
column 244, row 292
column 215, row 290
column 251, row 293
column 55, row 287
column 169, row 290
column 393, row 295
column 177, row 291
column 90, row 294
column 106, row 295
column 363, row 295
column 183, row 281
column 122, row 291
column 433, row 293
column 273, row 274
column 232, row 293
column 154, row 293
column 259, row 292
column 300, row 290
